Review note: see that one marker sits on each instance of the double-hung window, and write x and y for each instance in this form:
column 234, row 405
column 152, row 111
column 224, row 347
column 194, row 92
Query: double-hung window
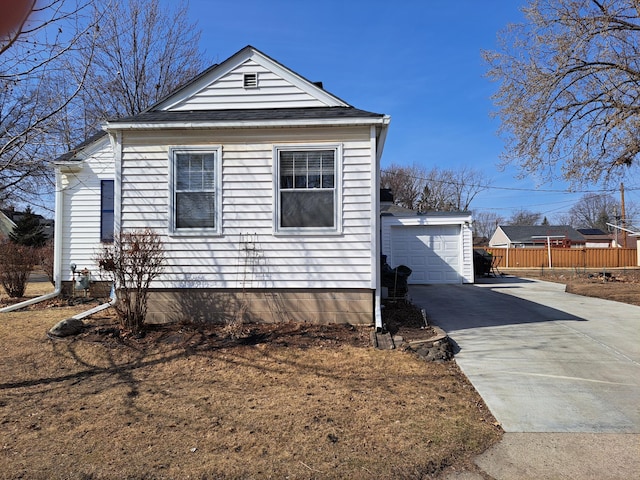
column 307, row 191
column 195, row 190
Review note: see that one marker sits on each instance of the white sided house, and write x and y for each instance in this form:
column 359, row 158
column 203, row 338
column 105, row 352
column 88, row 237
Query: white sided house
column 262, row 186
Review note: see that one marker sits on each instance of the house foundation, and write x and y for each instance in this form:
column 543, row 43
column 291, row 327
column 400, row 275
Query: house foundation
column 351, row 306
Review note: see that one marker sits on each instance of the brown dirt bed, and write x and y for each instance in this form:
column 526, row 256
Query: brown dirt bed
column 620, row 285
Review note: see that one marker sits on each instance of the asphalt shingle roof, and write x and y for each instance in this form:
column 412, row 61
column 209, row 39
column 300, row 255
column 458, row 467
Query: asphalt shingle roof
column 72, row 153
column 524, row 233
column 310, row 113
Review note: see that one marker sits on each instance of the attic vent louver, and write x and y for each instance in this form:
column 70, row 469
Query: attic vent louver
column 250, row 80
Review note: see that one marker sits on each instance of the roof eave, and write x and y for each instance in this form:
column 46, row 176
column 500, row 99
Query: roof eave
column 69, row 166
column 329, row 122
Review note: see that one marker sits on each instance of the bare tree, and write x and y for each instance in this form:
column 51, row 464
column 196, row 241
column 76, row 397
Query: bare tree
column 485, row 224
column 34, row 60
column 524, row 217
column 144, row 52
column 451, row 190
column 596, row 210
column 406, row 184
column 438, row 189
column 75, row 64
column 569, row 91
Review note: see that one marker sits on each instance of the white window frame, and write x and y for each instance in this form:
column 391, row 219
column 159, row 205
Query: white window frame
column 336, row 229
column 202, row 149
column 107, row 230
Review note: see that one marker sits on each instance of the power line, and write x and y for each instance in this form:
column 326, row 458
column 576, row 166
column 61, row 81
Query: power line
column 515, row 189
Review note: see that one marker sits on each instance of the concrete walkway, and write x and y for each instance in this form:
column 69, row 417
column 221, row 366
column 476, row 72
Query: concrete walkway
column 560, row 372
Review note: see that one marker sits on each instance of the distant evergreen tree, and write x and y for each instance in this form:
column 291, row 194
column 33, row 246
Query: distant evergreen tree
column 28, row 231
column 545, row 221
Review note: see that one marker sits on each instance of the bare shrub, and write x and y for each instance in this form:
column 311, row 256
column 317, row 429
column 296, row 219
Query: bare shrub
column 45, row 259
column 16, row 263
column 131, row 262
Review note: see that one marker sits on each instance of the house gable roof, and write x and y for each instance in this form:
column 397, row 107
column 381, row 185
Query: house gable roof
column 525, row 233
column 218, row 98
column 221, row 87
column 87, row 145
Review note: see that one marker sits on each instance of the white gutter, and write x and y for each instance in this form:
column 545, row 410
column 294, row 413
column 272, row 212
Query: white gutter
column 247, row 123
column 57, row 253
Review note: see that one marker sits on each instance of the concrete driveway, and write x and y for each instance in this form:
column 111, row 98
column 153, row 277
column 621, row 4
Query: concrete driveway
column 547, row 363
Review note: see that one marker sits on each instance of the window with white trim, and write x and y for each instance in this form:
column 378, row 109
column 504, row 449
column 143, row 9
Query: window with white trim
column 195, row 190
column 307, row 193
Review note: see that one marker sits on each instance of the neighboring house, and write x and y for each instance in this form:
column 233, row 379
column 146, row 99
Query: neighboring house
column 536, row 236
column 596, row 238
column 262, row 186
column 9, row 217
column 6, row 225
column 437, row 246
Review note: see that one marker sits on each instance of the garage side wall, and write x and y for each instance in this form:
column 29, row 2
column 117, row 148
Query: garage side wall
column 456, row 264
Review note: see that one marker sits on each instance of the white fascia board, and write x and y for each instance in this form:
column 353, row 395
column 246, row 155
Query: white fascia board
column 382, row 136
column 248, row 124
column 425, row 220
column 69, row 166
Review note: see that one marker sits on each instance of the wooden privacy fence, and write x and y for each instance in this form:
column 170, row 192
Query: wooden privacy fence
column 564, row 257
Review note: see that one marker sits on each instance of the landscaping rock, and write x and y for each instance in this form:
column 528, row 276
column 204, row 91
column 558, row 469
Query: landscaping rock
column 66, row 328
column 435, row 349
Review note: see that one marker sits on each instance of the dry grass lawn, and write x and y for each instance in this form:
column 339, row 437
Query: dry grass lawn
column 77, row 409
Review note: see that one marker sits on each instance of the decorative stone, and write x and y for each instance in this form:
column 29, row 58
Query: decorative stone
column 66, row 328
column 434, row 349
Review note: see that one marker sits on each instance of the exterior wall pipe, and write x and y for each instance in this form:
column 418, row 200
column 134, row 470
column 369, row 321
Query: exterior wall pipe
column 375, row 230
column 57, row 253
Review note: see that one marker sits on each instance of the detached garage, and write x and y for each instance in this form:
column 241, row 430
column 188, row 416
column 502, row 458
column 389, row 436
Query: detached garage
column 438, row 246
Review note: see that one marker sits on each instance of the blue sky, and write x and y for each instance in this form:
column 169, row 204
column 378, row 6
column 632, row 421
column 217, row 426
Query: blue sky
column 415, row 60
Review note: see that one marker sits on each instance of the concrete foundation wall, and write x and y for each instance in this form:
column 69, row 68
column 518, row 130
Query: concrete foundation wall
column 352, row 306
column 97, row 289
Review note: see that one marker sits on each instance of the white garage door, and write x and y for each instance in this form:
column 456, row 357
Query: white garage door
column 432, row 252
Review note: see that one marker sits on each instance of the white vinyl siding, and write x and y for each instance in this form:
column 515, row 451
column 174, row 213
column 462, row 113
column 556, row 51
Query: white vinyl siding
column 230, row 92
column 247, row 201
column 81, row 208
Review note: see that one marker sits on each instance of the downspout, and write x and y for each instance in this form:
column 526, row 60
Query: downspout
column 57, row 252
column 377, row 148
column 375, row 233
column 113, row 300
